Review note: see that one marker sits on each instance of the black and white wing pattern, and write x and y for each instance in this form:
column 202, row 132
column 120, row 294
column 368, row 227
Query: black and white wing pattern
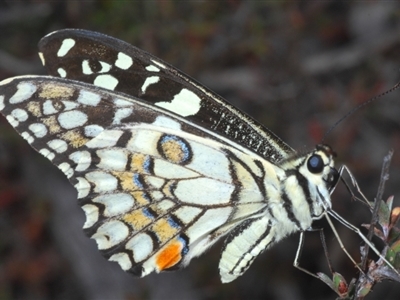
column 116, row 65
column 161, row 165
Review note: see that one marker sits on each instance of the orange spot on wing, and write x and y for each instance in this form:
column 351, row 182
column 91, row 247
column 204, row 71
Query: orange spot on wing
column 169, row 256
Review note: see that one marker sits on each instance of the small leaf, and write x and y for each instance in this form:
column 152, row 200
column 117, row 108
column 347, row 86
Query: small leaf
column 384, row 216
column 390, row 256
column 394, row 235
column 389, row 202
column 364, row 290
column 340, row 284
column 393, row 255
column 395, row 216
column 396, row 247
column 325, row 278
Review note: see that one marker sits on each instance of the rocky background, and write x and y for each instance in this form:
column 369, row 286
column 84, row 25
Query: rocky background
column 295, row 66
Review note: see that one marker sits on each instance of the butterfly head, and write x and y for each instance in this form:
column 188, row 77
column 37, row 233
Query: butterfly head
column 319, row 169
column 315, row 173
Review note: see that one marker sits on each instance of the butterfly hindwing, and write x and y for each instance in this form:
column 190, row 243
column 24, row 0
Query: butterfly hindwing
column 113, row 64
column 156, row 190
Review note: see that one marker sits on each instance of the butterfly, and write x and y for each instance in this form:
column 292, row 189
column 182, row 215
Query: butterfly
column 163, row 167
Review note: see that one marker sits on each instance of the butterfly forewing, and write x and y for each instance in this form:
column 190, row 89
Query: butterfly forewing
column 113, row 64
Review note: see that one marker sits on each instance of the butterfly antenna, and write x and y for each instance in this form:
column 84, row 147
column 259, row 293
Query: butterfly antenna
column 395, row 87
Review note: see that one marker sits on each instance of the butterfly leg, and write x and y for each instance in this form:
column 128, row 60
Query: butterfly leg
column 296, row 262
column 354, row 182
column 340, row 240
column 360, row 234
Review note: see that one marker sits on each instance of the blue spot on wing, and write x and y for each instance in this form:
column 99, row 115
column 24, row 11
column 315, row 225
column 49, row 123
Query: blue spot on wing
column 148, row 213
column 173, row 223
column 185, row 248
column 147, row 164
column 137, row 180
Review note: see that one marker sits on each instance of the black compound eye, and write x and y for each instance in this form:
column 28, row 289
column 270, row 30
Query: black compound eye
column 315, row 164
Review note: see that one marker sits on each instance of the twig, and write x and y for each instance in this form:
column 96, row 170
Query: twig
column 384, row 177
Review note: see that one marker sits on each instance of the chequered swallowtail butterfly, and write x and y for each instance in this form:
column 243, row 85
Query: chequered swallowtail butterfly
column 163, row 167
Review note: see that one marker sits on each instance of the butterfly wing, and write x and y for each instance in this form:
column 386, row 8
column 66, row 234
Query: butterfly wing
column 113, row 64
column 156, row 189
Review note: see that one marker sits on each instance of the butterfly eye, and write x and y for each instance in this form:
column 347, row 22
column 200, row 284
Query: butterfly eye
column 315, row 164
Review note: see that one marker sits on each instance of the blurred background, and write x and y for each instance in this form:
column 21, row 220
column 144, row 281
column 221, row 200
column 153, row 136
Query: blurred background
column 295, row 66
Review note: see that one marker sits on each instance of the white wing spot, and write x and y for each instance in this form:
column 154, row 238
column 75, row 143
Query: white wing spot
column 104, row 182
column 141, row 246
column 124, row 61
column 186, row 103
column 86, row 68
column 47, row 153
column 66, row 45
column 1, row 102
column 82, row 160
column 156, row 195
column 120, row 114
column 105, row 67
column 122, row 259
column 92, row 215
column 188, row 213
column 165, row 205
column 152, row 68
column 106, row 81
column 12, row 121
column 163, row 121
column 83, row 187
column 107, row 138
column 69, row 105
column 155, row 182
column 149, row 80
column 25, row 91
column 115, row 204
column 20, row 114
column 38, row 129
column 89, row 98
column 42, row 58
column 111, row 233
column 72, row 119
column 27, row 137
column 48, row 108
column 93, row 130
column 66, row 169
column 62, row 72
column 112, row 159
column 58, row 145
